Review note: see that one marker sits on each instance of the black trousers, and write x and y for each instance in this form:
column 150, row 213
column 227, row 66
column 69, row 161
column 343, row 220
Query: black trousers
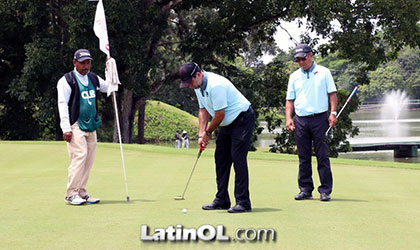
column 232, row 146
column 308, row 130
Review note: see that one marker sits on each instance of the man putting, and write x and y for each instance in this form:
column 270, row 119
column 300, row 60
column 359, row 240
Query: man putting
column 232, row 113
column 79, row 120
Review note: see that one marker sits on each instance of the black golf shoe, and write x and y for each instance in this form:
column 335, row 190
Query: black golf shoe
column 303, row 196
column 239, row 209
column 325, row 197
column 215, row 206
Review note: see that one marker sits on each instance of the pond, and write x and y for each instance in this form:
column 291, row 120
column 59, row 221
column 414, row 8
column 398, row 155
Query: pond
column 374, row 127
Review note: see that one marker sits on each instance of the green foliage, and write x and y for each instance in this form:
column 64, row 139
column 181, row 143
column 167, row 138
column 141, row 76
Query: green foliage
column 150, row 39
column 284, row 142
column 345, row 73
column 105, row 132
column 272, row 95
column 401, row 73
column 344, row 128
column 382, row 79
column 163, row 120
column 359, row 38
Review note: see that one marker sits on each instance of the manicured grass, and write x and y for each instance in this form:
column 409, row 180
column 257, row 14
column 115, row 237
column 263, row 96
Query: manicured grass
column 163, row 120
column 375, row 205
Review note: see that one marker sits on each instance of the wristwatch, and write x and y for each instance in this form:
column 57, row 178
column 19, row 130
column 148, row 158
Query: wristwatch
column 334, row 113
column 208, row 133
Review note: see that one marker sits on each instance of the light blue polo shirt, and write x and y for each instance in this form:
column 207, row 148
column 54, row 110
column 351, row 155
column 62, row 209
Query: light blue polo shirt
column 219, row 93
column 309, row 90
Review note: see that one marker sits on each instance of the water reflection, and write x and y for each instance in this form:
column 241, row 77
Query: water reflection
column 373, row 129
column 376, row 128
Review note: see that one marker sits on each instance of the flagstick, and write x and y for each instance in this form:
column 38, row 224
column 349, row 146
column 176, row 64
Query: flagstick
column 121, row 148
column 99, row 27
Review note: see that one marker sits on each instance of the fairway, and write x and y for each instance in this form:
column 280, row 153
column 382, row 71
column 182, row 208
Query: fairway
column 374, row 205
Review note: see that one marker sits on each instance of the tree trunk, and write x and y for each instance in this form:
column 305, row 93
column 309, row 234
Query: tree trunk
column 126, row 117
column 141, row 107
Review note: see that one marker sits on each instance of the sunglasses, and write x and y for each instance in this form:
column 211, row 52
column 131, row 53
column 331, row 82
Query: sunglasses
column 298, row 59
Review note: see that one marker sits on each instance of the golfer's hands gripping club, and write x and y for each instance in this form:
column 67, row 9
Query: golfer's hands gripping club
column 203, row 141
column 332, row 120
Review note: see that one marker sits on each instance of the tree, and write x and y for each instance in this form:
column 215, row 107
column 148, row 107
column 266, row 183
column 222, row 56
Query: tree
column 408, row 61
column 151, row 38
column 27, row 65
column 400, row 73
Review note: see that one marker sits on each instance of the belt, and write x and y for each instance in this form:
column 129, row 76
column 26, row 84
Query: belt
column 242, row 114
column 239, row 116
column 313, row 115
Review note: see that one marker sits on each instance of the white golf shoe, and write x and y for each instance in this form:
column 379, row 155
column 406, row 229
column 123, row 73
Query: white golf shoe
column 91, row 200
column 75, row 200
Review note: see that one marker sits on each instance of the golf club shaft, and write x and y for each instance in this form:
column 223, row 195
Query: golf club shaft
column 192, row 171
column 345, row 104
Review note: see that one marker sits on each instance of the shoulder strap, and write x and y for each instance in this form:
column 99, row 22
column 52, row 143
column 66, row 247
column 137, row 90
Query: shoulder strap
column 74, row 97
column 94, row 79
column 70, row 78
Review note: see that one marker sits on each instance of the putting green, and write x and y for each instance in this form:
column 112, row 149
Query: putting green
column 375, row 205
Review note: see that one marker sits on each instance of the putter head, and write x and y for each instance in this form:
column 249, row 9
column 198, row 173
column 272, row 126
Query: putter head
column 179, row 198
column 128, row 198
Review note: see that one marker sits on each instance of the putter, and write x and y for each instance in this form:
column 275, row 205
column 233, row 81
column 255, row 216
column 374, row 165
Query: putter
column 345, row 104
column 192, row 171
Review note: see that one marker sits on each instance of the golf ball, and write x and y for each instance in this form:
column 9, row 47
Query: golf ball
column 184, row 210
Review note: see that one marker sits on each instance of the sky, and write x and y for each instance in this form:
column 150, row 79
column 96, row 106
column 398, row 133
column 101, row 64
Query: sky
column 283, row 40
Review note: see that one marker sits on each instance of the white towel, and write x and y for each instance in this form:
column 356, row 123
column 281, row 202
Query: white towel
column 111, row 75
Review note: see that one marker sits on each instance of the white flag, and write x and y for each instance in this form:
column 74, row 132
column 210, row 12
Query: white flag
column 99, row 27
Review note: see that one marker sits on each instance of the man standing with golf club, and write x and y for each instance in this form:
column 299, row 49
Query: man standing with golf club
column 77, row 106
column 232, row 113
column 308, row 92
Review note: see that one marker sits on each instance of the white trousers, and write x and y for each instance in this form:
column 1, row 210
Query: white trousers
column 186, row 142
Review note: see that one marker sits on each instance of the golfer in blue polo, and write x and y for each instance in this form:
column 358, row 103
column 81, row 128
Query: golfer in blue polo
column 309, row 90
column 231, row 112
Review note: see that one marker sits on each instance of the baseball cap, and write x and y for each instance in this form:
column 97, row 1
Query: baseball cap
column 302, row 50
column 187, row 72
column 82, row 54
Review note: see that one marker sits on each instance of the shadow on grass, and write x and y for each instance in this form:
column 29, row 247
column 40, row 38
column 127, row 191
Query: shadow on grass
column 265, row 210
column 122, row 201
column 348, row 200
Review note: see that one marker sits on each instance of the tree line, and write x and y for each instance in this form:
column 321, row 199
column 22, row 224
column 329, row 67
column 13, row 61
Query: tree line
column 151, row 38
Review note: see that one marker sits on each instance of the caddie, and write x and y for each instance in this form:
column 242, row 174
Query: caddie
column 77, row 105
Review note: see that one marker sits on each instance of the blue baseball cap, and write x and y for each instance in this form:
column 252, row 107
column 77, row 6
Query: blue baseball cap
column 187, row 72
column 302, row 50
column 82, row 54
